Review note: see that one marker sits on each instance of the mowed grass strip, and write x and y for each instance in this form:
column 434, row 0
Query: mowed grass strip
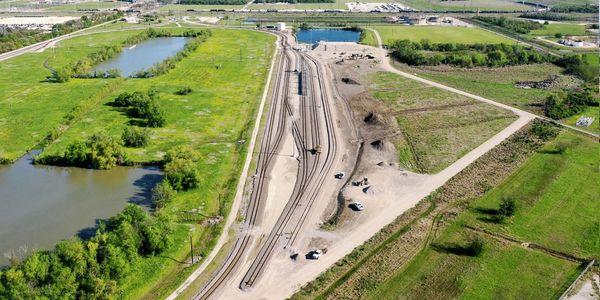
column 556, row 193
column 504, row 270
column 436, row 34
column 438, row 127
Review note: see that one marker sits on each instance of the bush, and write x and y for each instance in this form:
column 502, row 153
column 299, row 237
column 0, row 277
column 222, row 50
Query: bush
column 135, row 136
column 558, row 35
column 184, row 90
column 475, row 247
column 544, row 130
column 508, row 206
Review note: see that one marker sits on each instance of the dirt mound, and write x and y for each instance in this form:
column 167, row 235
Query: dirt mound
column 371, row 118
column 347, row 80
column 378, row 144
column 544, row 84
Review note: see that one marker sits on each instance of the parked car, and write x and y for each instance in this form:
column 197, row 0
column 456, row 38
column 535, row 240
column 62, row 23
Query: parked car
column 314, row 254
column 357, row 206
column 340, row 175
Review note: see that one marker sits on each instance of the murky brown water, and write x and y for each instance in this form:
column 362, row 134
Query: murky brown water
column 40, row 205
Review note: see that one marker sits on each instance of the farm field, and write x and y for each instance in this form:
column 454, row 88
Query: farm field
column 211, row 119
column 438, row 127
column 553, row 210
column 485, row 82
column 472, row 5
column 436, row 34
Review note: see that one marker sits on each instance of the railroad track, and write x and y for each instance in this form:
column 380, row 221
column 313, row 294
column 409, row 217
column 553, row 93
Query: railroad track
column 313, row 128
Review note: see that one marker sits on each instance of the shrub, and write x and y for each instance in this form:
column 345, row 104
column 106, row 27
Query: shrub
column 558, row 35
column 508, row 206
column 475, row 246
column 135, row 136
column 142, row 105
column 184, row 90
column 544, row 130
column 182, row 152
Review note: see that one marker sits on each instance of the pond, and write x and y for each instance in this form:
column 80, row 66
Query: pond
column 144, row 55
column 313, row 36
column 41, row 205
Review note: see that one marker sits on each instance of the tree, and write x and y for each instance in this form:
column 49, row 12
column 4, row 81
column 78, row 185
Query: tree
column 105, row 151
column 475, row 246
column 76, row 154
column 508, row 206
column 182, row 174
column 162, row 193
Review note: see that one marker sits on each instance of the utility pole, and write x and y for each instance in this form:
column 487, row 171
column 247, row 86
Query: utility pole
column 191, row 248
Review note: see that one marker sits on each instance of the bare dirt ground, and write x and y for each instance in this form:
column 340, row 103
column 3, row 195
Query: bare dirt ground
column 589, row 290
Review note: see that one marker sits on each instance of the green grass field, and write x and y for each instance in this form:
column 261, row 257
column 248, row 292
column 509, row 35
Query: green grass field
column 555, row 194
column 469, row 5
column 563, row 28
column 555, row 208
column 438, row 127
column 497, row 83
column 435, row 34
column 504, row 271
column 218, row 112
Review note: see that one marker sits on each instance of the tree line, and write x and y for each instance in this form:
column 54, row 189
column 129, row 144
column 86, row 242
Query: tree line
column 518, row 26
column 12, row 39
column 90, row 269
column 464, row 55
column 83, row 67
column 295, row 1
column 171, row 62
column 568, row 103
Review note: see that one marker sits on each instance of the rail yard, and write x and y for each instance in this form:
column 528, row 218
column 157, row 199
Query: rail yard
column 299, row 150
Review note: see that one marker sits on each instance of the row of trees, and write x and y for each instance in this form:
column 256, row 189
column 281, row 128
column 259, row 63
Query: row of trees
column 90, row 269
column 170, row 63
column 83, row 68
column 11, row 39
column 142, row 105
column 548, row 16
column 579, row 66
column 513, row 25
column 464, row 55
column 566, row 8
column 561, row 105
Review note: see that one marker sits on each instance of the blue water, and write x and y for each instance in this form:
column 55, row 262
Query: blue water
column 312, row 36
column 143, row 55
